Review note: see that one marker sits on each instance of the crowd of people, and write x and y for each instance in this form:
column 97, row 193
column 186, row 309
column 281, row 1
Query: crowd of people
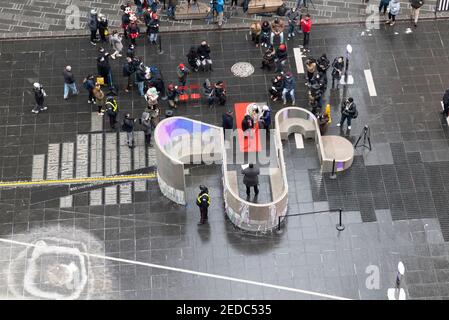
column 148, row 80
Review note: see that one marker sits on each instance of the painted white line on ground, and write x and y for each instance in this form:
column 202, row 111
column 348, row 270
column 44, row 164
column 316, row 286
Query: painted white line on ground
column 299, row 141
column 38, row 167
column 298, row 60
column 203, row 274
column 370, row 83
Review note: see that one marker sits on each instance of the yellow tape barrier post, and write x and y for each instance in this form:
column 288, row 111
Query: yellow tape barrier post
column 76, row 180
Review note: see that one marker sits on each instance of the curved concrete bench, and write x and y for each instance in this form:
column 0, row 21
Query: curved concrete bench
column 297, row 125
column 298, row 120
column 173, row 150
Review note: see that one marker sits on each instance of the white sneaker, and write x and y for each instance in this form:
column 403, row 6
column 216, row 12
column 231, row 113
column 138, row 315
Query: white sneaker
column 349, row 127
column 338, row 124
column 285, row 102
column 89, row 102
column 118, row 55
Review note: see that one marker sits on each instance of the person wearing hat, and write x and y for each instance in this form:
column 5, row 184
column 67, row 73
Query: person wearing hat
column 265, row 119
column 203, row 202
column 348, row 112
column 111, row 110
column 39, row 95
column 182, row 72
column 306, row 26
column 251, row 179
column 173, row 95
column 281, row 58
column 145, row 121
column 103, row 27
column 69, row 82
column 204, row 55
column 153, row 28
column 289, row 88
column 277, row 29
column 93, row 26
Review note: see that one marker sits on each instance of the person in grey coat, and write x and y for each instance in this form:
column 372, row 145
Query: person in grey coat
column 145, row 121
column 93, row 26
column 116, row 43
column 251, row 179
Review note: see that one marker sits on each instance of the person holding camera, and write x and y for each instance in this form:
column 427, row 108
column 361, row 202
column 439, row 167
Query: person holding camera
column 348, row 112
column 337, row 70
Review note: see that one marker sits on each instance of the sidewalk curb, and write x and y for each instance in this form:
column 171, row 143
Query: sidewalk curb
column 198, row 28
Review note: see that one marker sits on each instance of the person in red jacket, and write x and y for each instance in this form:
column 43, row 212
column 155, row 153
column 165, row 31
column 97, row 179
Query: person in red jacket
column 306, row 26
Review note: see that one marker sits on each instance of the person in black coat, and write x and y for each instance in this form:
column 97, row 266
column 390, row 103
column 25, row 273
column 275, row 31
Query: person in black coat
column 103, row 66
column 227, row 122
column 348, row 112
column 337, row 70
column 277, row 84
column 247, row 125
column 128, row 70
column 102, row 27
column 251, row 179
column 128, row 127
column 193, row 58
column 203, row 202
column 204, row 55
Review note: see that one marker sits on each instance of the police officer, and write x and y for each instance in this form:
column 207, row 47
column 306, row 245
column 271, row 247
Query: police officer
column 111, row 110
column 203, row 201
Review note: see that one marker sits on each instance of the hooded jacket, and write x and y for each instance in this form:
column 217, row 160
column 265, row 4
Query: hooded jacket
column 146, row 123
column 395, row 7
column 204, row 51
column 93, row 22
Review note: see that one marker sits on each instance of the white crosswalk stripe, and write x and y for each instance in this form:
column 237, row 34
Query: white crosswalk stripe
column 84, row 158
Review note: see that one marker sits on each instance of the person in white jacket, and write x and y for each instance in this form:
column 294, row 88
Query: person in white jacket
column 116, row 42
column 393, row 12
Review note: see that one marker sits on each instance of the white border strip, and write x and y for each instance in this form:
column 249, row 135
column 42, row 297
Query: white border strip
column 203, row 274
column 370, row 83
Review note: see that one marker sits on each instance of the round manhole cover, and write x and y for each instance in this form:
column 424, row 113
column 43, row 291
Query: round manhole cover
column 242, row 69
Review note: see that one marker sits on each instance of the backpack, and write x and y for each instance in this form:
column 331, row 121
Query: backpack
column 282, row 10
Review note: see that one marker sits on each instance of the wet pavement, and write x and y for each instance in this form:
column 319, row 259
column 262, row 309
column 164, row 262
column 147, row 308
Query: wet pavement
column 28, row 18
column 114, row 240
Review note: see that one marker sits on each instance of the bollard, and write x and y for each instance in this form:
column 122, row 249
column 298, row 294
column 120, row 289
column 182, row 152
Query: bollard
column 340, row 226
column 279, row 223
column 333, row 175
column 160, row 45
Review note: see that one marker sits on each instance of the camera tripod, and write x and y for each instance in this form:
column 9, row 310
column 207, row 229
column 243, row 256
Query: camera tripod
column 366, row 137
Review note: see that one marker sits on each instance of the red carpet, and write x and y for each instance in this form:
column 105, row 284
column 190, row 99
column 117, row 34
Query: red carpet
column 251, row 144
